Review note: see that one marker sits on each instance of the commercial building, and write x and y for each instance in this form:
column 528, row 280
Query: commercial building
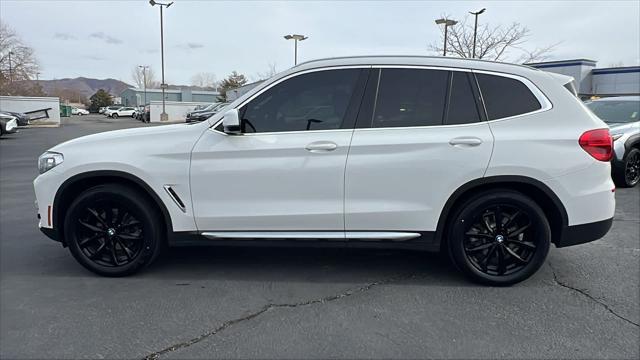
column 593, row 81
column 136, row 96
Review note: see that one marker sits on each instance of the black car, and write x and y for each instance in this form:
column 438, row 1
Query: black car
column 206, row 113
column 22, row 119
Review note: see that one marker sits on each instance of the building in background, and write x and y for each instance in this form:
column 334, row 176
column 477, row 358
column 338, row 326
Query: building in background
column 237, row 92
column 135, row 96
column 592, row 81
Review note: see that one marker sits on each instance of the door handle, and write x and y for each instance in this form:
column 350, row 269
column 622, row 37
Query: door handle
column 466, row 141
column 321, row 146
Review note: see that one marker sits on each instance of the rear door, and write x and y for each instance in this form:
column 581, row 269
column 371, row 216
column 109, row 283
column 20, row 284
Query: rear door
column 420, row 135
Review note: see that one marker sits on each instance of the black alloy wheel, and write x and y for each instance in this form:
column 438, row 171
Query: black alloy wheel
column 113, row 230
column 108, row 234
column 632, row 168
column 499, row 238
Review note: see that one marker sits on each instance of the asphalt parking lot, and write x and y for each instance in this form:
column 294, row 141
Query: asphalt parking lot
column 301, row 303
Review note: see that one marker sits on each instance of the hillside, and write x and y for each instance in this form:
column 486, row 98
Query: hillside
column 84, row 86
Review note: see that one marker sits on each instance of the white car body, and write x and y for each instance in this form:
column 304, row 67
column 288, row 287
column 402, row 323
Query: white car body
column 80, row 112
column 354, row 183
column 123, row 111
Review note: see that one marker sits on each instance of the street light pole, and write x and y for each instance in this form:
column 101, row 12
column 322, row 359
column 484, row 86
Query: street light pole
column 475, row 30
column 163, row 86
column 296, row 38
column 144, row 79
column 446, row 23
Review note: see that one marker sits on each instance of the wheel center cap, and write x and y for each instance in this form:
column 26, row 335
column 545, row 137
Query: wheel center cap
column 111, row 231
column 500, row 239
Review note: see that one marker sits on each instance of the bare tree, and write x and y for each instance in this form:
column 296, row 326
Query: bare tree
column 498, row 43
column 263, row 75
column 17, row 60
column 138, row 76
column 205, row 80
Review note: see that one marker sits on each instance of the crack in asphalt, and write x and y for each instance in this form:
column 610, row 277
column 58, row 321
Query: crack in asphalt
column 229, row 323
column 589, row 296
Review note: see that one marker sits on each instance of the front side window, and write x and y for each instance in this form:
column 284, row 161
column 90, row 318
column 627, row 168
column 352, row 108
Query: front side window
column 410, row 97
column 504, row 97
column 312, row 101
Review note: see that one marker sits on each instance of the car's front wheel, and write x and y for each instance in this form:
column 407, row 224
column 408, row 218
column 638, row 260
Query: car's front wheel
column 627, row 173
column 113, row 230
column 499, row 237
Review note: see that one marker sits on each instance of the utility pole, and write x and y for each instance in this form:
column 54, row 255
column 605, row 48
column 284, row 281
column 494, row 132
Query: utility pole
column 446, row 23
column 296, row 38
column 475, row 30
column 163, row 86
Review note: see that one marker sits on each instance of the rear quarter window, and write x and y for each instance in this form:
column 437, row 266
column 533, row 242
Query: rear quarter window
column 504, row 97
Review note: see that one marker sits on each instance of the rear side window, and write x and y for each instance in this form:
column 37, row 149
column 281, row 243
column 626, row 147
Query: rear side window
column 504, row 97
column 462, row 107
column 410, row 97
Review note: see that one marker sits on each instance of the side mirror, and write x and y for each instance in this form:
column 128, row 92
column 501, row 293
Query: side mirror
column 231, row 122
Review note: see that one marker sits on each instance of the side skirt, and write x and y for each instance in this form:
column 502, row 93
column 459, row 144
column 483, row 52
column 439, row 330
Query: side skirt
column 352, row 239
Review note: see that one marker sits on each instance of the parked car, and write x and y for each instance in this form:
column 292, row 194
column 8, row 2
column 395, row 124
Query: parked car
column 102, row 110
column 123, row 111
column 622, row 114
column 398, row 152
column 111, row 108
column 197, row 111
column 146, row 114
column 137, row 112
column 21, row 118
column 201, row 115
column 8, row 124
column 80, row 111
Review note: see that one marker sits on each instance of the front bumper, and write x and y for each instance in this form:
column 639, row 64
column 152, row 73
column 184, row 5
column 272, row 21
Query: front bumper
column 584, row 233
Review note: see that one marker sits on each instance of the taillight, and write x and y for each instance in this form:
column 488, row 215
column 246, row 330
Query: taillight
column 598, row 143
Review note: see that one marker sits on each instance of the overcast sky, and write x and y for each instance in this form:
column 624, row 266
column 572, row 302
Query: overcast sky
column 103, row 39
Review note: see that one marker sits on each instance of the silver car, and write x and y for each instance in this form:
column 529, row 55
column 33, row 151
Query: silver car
column 622, row 114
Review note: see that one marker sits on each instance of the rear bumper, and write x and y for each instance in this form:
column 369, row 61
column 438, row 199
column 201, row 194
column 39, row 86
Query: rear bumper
column 584, row 233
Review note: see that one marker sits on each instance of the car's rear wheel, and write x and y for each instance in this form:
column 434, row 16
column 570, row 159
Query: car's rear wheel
column 113, row 230
column 499, row 237
column 627, row 174
column 114, row 115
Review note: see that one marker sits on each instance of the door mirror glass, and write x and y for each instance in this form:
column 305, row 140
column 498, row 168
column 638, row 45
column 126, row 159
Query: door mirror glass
column 231, row 122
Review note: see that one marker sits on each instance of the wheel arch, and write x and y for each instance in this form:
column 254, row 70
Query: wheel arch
column 538, row 191
column 80, row 182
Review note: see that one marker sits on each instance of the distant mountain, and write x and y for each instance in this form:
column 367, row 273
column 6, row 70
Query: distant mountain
column 84, row 86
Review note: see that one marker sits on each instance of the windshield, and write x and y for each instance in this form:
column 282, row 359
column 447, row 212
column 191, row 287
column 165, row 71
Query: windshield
column 613, row 112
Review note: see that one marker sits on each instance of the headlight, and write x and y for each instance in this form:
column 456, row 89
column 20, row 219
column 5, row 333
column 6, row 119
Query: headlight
column 616, row 136
column 48, row 161
column 11, row 124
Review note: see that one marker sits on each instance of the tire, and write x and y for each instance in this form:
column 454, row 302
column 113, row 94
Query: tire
column 114, row 115
column 626, row 174
column 499, row 255
column 112, row 230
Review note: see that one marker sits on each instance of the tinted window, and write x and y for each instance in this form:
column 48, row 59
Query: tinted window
column 504, row 97
column 410, row 97
column 612, row 111
column 313, row 101
column 462, row 105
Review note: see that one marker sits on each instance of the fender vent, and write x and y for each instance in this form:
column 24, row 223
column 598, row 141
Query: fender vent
column 176, row 199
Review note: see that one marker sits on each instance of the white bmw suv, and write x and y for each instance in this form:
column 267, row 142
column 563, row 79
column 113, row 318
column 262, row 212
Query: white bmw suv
column 488, row 162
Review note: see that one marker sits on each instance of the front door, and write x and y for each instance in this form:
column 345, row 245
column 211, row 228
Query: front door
column 285, row 172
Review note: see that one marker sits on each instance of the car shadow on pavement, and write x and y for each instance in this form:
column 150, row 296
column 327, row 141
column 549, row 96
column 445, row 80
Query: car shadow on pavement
column 333, row 265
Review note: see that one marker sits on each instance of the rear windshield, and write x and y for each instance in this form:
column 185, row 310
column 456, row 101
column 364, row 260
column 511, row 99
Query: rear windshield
column 615, row 112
